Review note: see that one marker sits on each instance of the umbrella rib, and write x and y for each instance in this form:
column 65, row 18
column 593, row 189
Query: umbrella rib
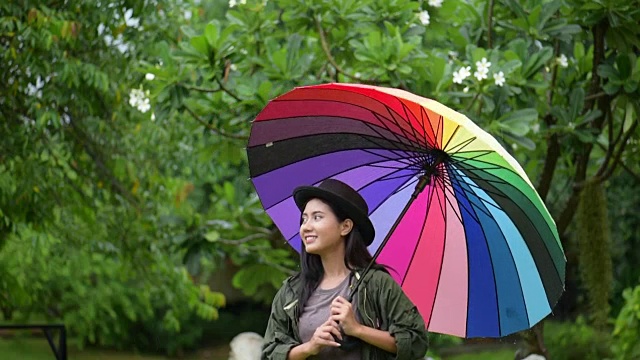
column 423, row 115
column 451, row 137
column 422, row 229
column 460, row 179
column 546, row 246
column 400, row 160
column 494, row 166
column 454, row 177
column 395, row 135
column 448, row 182
column 474, row 214
column 373, row 164
column 456, row 158
column 444, row 245
column 461, row 145
column 395, row 121
column 407, row 112
column 511, row 254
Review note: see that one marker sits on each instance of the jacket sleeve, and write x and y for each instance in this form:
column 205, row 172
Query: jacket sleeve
column 278, row 339
column 406, row 324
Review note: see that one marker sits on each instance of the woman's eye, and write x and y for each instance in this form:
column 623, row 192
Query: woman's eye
column 317, row 217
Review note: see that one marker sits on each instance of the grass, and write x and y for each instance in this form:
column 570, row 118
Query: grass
column 486, row 355
column 38, row 349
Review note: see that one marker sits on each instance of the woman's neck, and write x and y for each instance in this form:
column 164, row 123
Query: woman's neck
column 334, row 267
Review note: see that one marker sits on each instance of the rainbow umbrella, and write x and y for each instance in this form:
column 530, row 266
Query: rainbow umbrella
column 456, row 218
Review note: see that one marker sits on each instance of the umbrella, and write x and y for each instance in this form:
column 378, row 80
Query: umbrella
column 456, row 217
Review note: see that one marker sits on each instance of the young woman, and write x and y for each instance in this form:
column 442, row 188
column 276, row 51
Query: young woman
column 311, row 315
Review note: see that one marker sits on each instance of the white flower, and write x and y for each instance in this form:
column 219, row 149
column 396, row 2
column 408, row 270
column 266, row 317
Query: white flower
column 149, row 76
column 482, row 69
column 535, row 128
column 424, row 17
column 188, row 14
column 153, row 116
column 461, row 74
column 140, row 99
column 233, row 67
column 572, row 125
column 357, row 75
column 465, row 90
column 435, row 3
column 483, row 65
column 562, row 61
column 453, row 54
column 233, row 3
column 499, row 78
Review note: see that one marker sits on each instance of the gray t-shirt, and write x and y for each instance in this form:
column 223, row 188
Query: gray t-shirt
column 316, row 311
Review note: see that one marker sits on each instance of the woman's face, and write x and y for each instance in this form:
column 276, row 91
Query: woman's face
column 320, row 230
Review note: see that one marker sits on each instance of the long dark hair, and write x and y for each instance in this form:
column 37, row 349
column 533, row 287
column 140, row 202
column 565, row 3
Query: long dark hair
column 356, row 256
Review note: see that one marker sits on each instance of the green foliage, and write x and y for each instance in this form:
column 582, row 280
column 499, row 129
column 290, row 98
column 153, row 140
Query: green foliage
column 576, row 341
column 626, row 333
column 594, row 241
column 123, row 129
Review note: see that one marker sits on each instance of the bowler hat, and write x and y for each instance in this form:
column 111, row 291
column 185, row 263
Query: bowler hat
column 345, row 197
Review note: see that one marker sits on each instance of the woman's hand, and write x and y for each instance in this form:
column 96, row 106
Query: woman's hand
column 322, row 337
column 342, row 312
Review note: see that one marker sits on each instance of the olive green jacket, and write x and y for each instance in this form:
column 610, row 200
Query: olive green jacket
column 381, row 304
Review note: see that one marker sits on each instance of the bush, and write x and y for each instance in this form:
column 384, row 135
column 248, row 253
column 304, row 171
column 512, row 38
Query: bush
column 577, row 341
column 625, row 344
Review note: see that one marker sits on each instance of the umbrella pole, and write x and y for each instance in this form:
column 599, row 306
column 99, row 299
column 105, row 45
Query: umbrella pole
column 420, row 186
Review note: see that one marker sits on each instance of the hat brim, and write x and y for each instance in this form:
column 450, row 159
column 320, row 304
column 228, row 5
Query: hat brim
column 303, row 194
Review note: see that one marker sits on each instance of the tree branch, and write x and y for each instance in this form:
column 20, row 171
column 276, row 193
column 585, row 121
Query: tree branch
column 490, row 25
column 102, row 168
column 616, row 159
column 553, row 152
column 332, row 61
column 224, row 88
column 197, row 88
column 582, row 158
column 213, row 129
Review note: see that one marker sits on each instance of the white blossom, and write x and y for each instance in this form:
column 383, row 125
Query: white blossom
column 499, row 78
column 535, row 128
column 424, row 17
column 435, row 3
column 461, row 74
column 233, row 67
column 153, row 117
column 562, row 61
column 465, row 90
column 149, row 76
column 482, row 71
column 139, row 99
column 233, row 3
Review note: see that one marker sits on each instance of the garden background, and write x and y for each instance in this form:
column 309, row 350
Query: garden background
column 126, row 211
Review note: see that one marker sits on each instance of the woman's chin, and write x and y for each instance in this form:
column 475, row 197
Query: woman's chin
column 312, row 249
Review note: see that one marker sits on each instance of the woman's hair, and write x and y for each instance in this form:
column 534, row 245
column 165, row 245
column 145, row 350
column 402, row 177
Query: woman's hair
column 356, row 255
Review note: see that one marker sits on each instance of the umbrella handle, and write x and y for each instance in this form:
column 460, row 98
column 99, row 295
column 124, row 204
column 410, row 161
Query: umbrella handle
column 348, row 342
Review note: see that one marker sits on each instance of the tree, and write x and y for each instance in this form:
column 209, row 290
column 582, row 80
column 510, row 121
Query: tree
column 556, row 83
column 83, row 197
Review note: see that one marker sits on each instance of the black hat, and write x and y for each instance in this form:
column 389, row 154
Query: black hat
column 345, row 197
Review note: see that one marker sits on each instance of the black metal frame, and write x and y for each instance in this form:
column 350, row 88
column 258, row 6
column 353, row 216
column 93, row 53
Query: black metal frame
column 60, row 352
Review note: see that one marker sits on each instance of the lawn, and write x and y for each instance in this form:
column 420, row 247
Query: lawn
column 38, row 349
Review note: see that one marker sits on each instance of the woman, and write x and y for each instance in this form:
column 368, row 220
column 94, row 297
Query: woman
column 311, row 315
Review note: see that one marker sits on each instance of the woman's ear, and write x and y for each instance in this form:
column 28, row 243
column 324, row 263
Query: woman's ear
column 346, row 227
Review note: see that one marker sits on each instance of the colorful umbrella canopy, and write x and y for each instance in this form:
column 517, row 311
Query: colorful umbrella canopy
column 474, row 248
